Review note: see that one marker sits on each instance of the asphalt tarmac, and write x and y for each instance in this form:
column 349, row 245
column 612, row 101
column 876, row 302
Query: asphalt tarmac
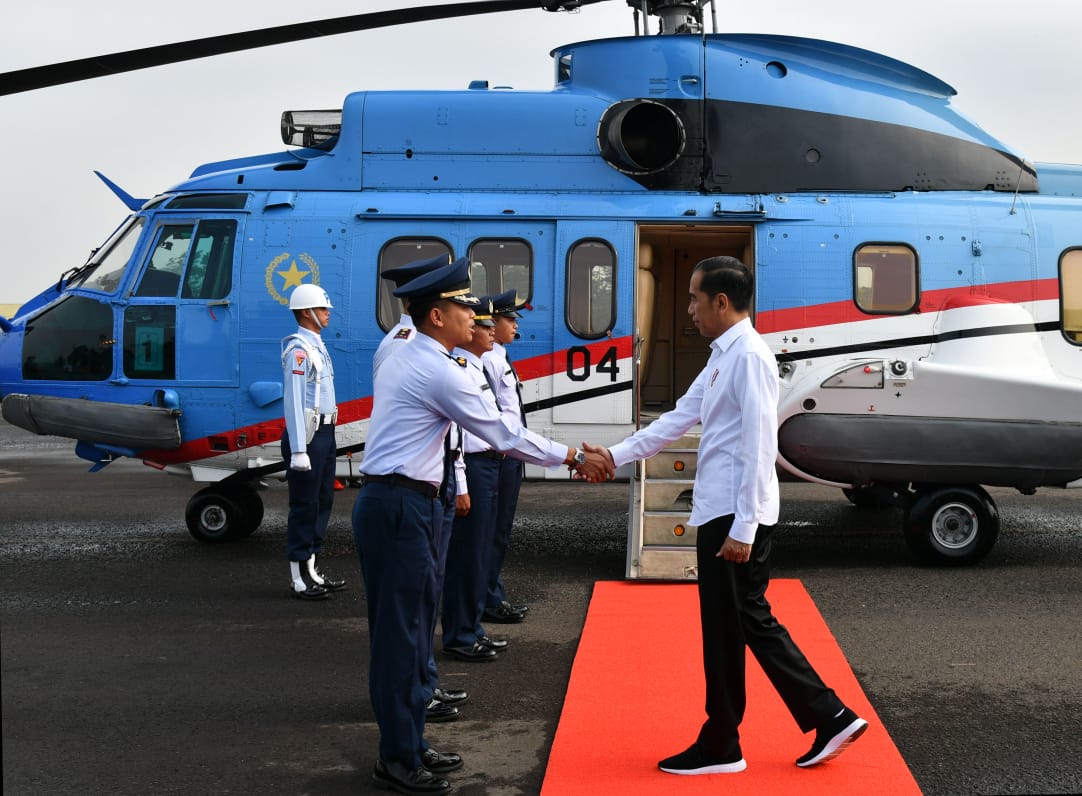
column 136, row 660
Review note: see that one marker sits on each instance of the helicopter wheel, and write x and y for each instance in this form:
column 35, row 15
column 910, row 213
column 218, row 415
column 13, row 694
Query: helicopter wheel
column 952, row 526
column 251, row 508
column 215, row 516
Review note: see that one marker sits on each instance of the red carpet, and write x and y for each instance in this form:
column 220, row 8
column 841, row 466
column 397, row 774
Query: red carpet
column 636, row 695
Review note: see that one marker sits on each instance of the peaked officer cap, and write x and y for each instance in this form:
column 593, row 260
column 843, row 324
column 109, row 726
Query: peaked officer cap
column 482, row 316
column 506, row 303
column 402, row 274
column 450, row 281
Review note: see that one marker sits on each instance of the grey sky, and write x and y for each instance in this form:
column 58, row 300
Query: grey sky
column 1016, row 67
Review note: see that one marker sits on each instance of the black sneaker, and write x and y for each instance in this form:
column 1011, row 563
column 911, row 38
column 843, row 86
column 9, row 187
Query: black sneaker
column 833, row 738
column 694, row 760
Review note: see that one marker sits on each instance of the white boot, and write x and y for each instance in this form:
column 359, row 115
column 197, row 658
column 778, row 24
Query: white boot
column 298, row 579
column 312, row 573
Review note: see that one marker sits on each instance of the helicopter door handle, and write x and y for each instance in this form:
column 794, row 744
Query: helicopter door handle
column 221, row 303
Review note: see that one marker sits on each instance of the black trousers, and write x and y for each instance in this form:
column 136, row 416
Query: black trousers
column 735, row 614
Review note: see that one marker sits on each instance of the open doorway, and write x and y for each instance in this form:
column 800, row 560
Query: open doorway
column 671, row 351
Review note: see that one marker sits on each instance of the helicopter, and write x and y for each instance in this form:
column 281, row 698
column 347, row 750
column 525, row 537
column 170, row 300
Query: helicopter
column 919, row 282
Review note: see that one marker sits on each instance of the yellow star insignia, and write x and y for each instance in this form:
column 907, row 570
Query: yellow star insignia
column 294, row 277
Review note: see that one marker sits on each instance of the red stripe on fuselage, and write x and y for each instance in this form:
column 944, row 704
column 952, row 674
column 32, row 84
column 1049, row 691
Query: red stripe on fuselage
column 271, row 431
column 837, row 312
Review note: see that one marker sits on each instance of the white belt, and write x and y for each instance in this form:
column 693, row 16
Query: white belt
column 330, row 419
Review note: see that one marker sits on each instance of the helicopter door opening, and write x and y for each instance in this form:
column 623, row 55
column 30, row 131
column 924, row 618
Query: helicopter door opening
column 661, row 545
column 671, row 350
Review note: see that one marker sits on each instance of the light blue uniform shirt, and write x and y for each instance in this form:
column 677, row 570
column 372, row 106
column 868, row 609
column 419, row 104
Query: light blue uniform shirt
column 307, row 383
column 413, row 406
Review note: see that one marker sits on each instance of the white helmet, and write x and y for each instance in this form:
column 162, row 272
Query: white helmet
column 309, row 296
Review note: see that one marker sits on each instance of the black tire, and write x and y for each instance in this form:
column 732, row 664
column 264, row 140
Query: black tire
column 952, row 526
column 214, row 516
column 251, row 508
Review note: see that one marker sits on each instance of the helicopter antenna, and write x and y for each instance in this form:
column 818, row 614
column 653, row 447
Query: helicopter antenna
column 1017, row 184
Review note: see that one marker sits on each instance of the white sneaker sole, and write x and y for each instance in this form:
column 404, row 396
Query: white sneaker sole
column 838, row 744
column 719, row 768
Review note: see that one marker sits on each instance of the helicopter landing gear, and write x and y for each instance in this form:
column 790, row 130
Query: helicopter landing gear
column 223, row 514
column 952, row 526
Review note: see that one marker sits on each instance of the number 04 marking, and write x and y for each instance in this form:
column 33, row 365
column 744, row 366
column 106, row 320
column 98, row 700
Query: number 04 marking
column 579, row 363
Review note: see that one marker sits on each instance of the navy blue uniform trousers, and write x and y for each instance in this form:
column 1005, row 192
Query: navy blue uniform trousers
column 432, row 677
column 466, row 583
column 506, row 504
column 395, row 529
column 735, row 613
column 311, row 495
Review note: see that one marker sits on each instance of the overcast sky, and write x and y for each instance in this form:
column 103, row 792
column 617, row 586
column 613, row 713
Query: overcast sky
column 1015, row 65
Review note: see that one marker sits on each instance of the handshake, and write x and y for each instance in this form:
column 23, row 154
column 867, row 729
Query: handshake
column 598, row 466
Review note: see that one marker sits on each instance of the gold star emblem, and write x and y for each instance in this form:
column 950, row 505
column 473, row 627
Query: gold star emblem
column 294, row 277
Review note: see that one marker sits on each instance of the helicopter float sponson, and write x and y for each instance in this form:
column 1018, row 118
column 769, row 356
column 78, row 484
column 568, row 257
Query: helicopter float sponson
column 920, row 284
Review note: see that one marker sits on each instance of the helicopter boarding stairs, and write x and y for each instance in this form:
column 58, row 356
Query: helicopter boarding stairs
column 661, row 543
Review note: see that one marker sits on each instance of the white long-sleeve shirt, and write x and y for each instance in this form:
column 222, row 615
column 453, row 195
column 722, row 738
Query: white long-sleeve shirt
column 735, row 397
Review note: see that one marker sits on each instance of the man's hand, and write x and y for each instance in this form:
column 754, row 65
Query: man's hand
column 598, row 466
column 300, row 462
column 462, row 505
column 732, row 550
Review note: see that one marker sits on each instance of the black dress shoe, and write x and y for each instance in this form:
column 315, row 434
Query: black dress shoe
column 439, row 763
column 494, row 644
column 450, row 696
column 332, row 584
column 478, row 652
column 313, row 592
column 395, row 776
column 505, row 613
column 438, row 711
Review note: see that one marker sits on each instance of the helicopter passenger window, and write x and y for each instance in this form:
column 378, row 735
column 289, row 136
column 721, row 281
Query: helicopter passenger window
column 210, row 267
column 885, row 278
column 399, row 252
column 106, row 274
column 162, row 274
column 500, row 265
column 590, row 297
column 1070, row 277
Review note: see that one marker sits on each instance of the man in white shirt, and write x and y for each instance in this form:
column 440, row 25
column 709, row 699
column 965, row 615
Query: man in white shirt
column 735, row 507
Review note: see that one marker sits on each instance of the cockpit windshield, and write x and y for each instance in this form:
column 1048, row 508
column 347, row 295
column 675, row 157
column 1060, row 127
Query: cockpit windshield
column 104, row 272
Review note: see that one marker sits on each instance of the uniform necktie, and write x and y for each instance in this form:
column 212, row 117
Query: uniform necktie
column 518, row 391
column 491, row 386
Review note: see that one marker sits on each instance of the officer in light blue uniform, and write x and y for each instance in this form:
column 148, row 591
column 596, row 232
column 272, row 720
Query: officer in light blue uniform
column 472, row 537
column 508, row 389
column 308, row 444
column 440, row 703
column 398, row 513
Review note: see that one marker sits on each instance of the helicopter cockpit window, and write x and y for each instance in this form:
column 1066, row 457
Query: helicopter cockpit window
column 1070, row 277
column 105, row 275
column 885, row 278
column 209, row 201
column 210, row 267
column 399, row 252
column 70, row 341
column 161, row 277
column 590, row 298
column 206, row 265
column 500, row 265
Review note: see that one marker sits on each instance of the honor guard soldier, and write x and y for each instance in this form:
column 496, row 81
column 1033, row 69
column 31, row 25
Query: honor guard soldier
column 440, row 703
column 472, row 538
column 508, row 390
column 398, row 512
column 308, row 442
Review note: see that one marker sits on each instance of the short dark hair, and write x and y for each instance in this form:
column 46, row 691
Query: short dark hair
column 419, row 309
column 730, row 276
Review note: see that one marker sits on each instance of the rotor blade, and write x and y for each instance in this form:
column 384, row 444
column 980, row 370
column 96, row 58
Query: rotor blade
column 116, row 63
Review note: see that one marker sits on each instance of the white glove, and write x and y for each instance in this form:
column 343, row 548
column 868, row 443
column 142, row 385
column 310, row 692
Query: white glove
column 300, row 462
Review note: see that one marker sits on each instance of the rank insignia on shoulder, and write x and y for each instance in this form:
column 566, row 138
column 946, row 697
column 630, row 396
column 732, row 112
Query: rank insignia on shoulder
column 403, row 334
column 460, row 360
